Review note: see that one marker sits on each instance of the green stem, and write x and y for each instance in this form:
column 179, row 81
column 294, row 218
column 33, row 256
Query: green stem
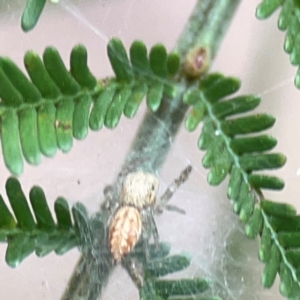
column 206, row 26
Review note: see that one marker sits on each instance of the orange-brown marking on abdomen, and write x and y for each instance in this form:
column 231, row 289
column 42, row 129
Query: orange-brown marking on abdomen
column 124, row 232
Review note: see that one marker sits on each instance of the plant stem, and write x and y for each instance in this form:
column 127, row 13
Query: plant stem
column 206, row 27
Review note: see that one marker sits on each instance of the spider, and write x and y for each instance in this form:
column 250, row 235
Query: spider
column 135, row 215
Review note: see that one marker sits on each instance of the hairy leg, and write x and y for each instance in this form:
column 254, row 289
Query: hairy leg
column 135, row 270
column 167, row 195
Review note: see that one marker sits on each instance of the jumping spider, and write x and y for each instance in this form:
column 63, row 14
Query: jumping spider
column 135, row 214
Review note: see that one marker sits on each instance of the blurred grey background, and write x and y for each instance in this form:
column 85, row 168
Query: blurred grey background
column 252, row 51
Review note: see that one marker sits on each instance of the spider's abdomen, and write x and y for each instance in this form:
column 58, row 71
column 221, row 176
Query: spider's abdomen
column 125, row 231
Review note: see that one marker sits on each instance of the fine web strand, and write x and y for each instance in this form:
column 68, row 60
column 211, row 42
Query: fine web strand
column 277, row 86
column 80, row 16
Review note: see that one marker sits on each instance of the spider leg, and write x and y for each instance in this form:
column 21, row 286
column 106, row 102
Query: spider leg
column 146, row 245
column 153, row 229
column 110, row 204
column 135, row 270
column 175, row 208
column 150, row 229
column 110, row 201
column 167, row 195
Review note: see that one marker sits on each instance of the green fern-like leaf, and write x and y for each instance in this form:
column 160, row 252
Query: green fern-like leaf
column 32, row 13
column 26, row 233
column 289, row 20
column 160, row 264
column 145, row 269
column 43, row 114
column 230, row 152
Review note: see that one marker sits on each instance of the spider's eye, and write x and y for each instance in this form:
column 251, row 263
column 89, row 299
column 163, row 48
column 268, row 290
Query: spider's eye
column 153, row 187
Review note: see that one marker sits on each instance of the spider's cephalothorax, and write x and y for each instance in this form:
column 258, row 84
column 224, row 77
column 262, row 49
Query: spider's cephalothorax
column 139, row 190
column 135, row 215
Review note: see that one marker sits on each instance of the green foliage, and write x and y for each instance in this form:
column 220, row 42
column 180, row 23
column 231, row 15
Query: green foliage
column 160, row 264
column 229, row 152
column 32, row 13
column 26, row 233
column 43, row 114
column 289, row 20
column 146, row 269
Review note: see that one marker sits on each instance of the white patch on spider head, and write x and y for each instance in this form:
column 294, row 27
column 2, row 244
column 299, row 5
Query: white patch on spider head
column 139, row 190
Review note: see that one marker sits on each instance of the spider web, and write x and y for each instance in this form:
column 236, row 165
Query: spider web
column 209, row 231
